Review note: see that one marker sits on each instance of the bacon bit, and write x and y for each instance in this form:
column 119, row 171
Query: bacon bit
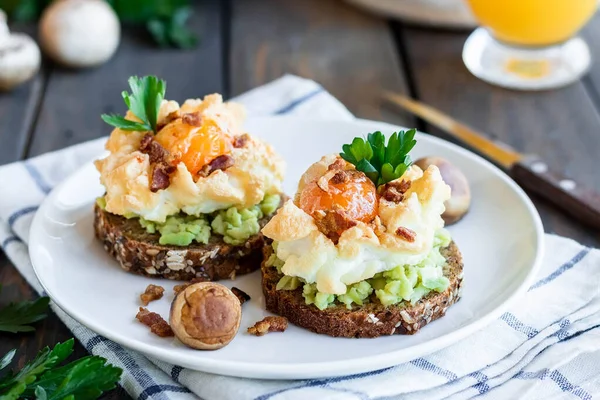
column 394, row 191
column 172, row 116
column 407, row 234
column 152, row 292
column 241, row 141
column 159, row 158
column 269, row 324
column 160, row 176
column 154, row 149
column 333, row 223
column 180, row 288
column 241, row 295
column 193, row 119
column 145, row 142
column 221, row 162
column 155, row 322
column 338, row 165
column 340, row 177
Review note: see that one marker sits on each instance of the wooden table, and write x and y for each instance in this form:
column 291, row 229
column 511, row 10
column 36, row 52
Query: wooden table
column 246, row 43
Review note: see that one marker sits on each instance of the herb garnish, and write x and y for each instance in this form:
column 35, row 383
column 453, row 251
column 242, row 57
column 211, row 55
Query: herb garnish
column 164, row 19
column 17, row 317
column 379, row 162
column 43, row 378
column 147, row 94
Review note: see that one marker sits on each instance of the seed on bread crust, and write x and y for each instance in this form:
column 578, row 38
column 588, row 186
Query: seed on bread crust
column 139, row 252
column 371, row 319
column 152, row 292
column 269, row 324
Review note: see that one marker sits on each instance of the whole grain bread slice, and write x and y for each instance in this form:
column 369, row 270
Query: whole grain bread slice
column 139, row 252
column 370, row 320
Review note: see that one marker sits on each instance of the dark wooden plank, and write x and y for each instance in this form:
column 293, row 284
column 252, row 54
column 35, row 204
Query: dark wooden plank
column 70, row 112
column 18, row 109
column 592, row 81
column 352, row 54
column 560, row 126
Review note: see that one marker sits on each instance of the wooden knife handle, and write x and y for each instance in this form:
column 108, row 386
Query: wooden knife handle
column 534, row 175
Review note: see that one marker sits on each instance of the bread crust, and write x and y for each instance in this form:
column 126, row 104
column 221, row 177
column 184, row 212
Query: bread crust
column 370, row 320
column 139, row 252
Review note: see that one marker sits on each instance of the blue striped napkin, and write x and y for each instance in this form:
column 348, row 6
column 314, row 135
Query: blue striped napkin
column 546, row 347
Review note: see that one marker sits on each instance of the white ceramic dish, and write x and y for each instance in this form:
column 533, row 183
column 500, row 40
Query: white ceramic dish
column 501, row 240
column 453, row 14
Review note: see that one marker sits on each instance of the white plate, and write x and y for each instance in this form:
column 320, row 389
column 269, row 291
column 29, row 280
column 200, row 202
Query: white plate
column 501, row 240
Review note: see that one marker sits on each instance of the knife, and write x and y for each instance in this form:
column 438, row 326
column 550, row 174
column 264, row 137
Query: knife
column 529, row 171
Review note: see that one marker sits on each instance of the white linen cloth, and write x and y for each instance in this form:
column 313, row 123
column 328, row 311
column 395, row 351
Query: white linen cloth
column 547, row 346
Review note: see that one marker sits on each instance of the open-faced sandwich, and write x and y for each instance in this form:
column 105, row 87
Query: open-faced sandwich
column 187, row 190
column 361, row 250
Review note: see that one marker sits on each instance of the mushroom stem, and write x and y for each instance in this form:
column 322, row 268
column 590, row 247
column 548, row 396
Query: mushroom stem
column 19, row 56
column 4, row 31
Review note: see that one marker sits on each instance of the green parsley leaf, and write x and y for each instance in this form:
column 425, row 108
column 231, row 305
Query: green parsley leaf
column 40, row 393
column 12, row 386
column 17, row 317
column 83, row 379
column 124, row 124
column 147, row 94
column 7, row 358
column 86, row 378
column 173, row 31
column 379, row 162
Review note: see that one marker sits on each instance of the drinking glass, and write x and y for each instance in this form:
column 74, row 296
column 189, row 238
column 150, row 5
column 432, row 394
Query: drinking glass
column 529, row 44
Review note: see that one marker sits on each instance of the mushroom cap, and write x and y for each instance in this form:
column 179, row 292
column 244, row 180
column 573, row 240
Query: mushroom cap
column 460, row 199
column 205, row 316
column 4, row 32
column 79, row 33
column 19, row 60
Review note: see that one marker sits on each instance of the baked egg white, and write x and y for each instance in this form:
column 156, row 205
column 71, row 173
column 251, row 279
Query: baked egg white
column 401, row 232
column 126, row 172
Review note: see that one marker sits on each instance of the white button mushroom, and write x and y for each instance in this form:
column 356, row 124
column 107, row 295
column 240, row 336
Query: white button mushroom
column 19, row 57
column 79, row 33
column 460, row 199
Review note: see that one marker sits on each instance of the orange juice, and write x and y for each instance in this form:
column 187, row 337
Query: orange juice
column 533, row 22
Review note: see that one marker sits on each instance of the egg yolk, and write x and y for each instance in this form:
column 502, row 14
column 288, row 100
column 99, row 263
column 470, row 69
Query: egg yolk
column 195, row 146
column 356, row 196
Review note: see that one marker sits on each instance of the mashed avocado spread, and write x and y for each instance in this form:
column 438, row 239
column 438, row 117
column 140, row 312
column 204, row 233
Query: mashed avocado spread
column 235, row 225
column 403, row 283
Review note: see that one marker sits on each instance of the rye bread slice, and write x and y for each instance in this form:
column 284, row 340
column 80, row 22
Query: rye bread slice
column 139, row 252
column 370, row 320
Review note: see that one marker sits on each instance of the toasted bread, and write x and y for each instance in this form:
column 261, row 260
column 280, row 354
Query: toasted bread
column 370, row 320
column 139, row 252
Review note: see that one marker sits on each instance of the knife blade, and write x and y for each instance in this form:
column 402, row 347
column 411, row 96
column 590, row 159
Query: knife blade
column 528, row 170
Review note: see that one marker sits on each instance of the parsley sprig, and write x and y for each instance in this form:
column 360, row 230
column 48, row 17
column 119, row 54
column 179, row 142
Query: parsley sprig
column 18, row 317
column 379, row 162
column 147, row 94
column 43, row 378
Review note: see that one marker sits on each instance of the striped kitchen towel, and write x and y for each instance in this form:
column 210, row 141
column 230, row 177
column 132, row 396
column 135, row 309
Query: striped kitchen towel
column 546, row 347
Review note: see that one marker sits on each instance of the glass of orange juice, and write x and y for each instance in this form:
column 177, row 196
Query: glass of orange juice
column 529, row 44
